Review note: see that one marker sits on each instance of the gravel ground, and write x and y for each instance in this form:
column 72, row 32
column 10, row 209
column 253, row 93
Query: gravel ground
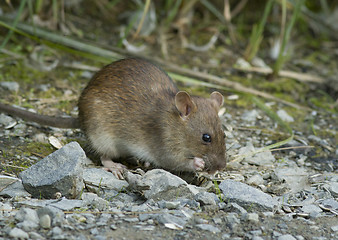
column 285, row 194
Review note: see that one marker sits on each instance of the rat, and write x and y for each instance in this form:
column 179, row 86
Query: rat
column 132, row 108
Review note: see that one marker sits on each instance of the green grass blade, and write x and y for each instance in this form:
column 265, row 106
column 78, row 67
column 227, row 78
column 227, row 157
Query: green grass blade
column 16, row 20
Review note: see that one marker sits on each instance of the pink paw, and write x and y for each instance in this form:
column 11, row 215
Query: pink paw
column 115, row 168
column 198, row 164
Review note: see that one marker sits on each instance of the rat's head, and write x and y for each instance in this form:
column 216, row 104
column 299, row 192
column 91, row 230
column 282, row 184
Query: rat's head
column 199, row 129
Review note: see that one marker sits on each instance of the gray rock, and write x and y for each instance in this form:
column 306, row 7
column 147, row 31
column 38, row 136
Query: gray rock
column 11, row 86
column 35, row 236
column 17, row 233
column 145, row 216
column 5, row 208
column 330, row 204
column 27, row 214
column 248, row 197
column 14, row 189
column 60, row 171
column 208, row 227
column 232, row 218
column 45, row 221
column 295, row 177
column 217, row 220
column 7, row 121
column 136, row 182
column 284, row 116
column 251, row 217
column 334, row 228
column 27, row 225
column 286, row 237
column 55, row 214
column 258, row 159
column 205, row 198
column 94, row 201
column 56, row 232
column 257, row 238
column 67, row 204
column 169, row 204
column 234, row 207
column 311, row 209
column 166, row 218
column 99, row 178
column 113, row 227
column 166, row 186
column 255, row 180
column 256, row 232
column 250, row 116
column 333, row 188
column 35, row 203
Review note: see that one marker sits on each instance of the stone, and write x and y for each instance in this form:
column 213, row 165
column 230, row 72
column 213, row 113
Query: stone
column 295, row 177
column 251, row 217
column 250, row 116
column 94, row 201
column 286, row 237
column 205, row 198
column 232, row 218
column 102, row 179
column 6, row 121
column 27, row 214
column 17, row 233
column 166, row 218
column 166, row 186
column 67, row 204
column 333, row 188
column 169, row 204
column 330, row 204
column 11, row 86
column 27, row 225
column 45, row 221
column 311, row 208
column 255, row 180
column 247, row 197
column 334, row 228
column 56, row 215
column 35, row 236
column 59, row 172
column 282, row 114
column 234, row 207
column 259, row 159
column 135, row 181
column 15, row 189
column 56, row 232
column 208, row 227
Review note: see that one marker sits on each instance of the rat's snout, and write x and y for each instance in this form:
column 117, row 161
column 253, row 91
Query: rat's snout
column 217, row 163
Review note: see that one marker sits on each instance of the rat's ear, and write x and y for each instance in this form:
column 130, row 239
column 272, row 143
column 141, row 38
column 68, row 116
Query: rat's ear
column 217, row 98
column 184, row 104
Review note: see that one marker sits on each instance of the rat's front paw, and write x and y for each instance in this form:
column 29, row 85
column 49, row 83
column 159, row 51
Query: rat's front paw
column 198, row 164
column 115, row 168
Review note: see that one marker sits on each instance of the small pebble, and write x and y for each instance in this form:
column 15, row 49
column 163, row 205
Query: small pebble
column 17, row 233
column 45, row 221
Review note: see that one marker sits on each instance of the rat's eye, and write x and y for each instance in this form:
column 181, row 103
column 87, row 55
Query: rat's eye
column 206, row 138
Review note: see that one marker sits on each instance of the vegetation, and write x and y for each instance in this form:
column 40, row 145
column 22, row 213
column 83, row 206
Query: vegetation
column 272, row 50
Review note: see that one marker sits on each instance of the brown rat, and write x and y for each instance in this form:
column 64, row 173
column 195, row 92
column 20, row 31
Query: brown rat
column 132, row 108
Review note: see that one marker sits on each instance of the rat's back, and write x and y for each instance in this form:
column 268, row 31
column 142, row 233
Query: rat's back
column 121, row 101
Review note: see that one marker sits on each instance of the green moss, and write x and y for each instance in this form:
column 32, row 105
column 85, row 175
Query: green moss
column 42, row 149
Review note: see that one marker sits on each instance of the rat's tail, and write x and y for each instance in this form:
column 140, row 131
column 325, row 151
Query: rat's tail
column 59, row 122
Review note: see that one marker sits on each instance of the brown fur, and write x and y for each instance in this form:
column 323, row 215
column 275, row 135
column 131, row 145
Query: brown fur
column 130, row 106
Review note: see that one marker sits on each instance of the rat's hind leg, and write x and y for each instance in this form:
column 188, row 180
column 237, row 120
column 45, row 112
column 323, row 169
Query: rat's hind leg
column 113, row 167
